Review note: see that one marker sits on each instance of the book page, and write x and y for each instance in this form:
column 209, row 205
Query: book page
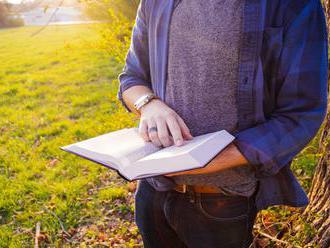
column 193, row 154
column 173, row 151
column 137, row 152
column 124, row 145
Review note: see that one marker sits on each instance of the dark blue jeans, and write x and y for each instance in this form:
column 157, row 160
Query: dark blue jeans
column 172, row 219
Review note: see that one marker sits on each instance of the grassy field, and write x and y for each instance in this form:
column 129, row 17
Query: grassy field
column 57, row 88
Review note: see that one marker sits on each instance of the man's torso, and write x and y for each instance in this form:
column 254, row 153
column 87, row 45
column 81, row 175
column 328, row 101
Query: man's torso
column 202, row 79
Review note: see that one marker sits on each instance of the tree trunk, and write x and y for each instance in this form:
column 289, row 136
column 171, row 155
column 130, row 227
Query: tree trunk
column 326, row 4
column 318, row 211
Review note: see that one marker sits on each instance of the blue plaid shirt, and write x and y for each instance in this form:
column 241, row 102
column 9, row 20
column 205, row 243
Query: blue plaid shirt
column 282, row 85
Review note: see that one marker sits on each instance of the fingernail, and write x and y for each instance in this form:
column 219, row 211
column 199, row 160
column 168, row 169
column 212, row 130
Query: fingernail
column 179, row 142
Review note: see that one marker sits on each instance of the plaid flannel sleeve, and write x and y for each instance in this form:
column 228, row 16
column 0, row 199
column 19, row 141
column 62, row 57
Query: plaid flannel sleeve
column 136, row 70
column 301, row 102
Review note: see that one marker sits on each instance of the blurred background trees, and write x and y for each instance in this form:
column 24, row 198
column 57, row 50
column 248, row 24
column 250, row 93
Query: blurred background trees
column 3, row 14
column 7, row 19
column 99, row 9
column 116, row 31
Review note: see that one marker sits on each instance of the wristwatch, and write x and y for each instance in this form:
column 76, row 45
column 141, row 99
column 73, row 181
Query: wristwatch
column 143, row 100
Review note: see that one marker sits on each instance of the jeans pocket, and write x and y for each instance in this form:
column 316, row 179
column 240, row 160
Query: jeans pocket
column 223, row 208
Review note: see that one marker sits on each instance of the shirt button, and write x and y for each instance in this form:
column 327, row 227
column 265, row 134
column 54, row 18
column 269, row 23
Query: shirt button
column 246, row 79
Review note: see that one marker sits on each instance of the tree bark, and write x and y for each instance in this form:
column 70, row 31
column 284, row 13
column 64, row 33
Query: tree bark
column 317, row 212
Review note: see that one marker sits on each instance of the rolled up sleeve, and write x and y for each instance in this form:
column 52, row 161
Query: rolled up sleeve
column 136, row 70
column 301, row 90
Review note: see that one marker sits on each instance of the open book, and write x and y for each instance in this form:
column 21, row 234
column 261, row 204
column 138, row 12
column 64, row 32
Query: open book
column 133, row 158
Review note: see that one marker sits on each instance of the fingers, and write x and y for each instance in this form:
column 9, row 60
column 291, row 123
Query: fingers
column 163, row 128
column 153, row 133
column 175, row 130
column 163, row 133
column 143, row 130
column 184, row 129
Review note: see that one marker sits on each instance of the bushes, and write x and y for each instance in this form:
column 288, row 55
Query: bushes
column 99, row 9
column 116, row 31
column 116, row 37
column 14, row 22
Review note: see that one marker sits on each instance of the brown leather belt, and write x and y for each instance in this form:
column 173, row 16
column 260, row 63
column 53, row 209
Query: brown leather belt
column 183, row 188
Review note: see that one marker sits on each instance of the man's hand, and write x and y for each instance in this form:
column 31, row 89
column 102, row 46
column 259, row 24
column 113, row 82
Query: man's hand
column 158, row 122
column 162, row 125
column 230, row 157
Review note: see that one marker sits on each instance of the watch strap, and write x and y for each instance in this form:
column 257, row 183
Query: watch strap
column 143, row 100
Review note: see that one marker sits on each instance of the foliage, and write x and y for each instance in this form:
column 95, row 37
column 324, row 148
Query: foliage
column 56, row 88
column 15, row 22
column 6, row 20
column 4, row 12
column 99, row 9
column 116, row 33
column 116, row 37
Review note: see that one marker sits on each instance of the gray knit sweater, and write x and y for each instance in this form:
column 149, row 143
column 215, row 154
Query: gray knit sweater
column 202, row 79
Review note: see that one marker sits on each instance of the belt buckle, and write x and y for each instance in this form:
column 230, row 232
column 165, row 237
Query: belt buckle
column 183, row 189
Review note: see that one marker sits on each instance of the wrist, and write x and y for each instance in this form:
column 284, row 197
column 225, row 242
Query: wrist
column 149, row 104
column 144, row 100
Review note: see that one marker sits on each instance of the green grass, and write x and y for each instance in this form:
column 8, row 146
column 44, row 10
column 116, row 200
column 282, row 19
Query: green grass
column 56, row 88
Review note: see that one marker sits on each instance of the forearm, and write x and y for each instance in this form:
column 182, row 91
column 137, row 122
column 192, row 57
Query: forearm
column 230, row 157
column 132, row 94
